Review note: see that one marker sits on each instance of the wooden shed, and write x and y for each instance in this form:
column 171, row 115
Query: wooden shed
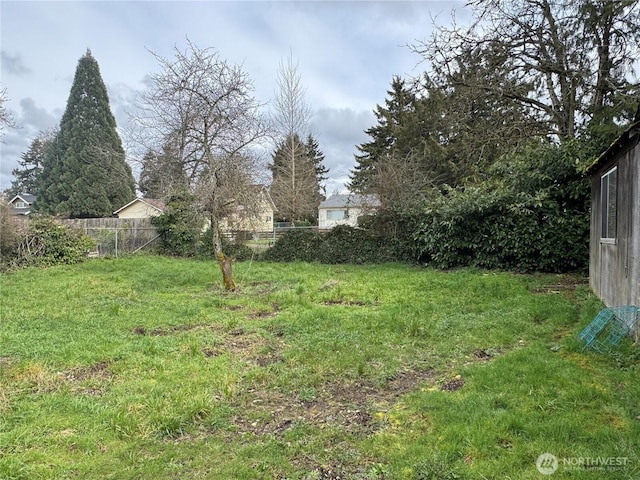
column 614, row 247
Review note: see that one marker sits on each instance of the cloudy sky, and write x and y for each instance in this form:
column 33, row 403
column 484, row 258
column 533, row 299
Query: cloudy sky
column 347, row 54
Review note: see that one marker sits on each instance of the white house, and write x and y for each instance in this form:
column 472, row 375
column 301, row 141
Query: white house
column 345, row 209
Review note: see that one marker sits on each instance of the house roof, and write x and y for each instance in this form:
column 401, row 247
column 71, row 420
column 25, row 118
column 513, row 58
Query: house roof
column 350, row 200
column 152, row 202
column 25, row 197
column 631, row 133
column 262, row 188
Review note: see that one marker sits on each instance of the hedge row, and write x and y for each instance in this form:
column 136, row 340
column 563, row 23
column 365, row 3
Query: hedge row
column 342, row 244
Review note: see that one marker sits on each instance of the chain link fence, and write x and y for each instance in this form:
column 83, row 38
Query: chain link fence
column 117, row 236
column 113, row 241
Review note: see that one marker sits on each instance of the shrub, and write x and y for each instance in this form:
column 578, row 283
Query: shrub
column 236, row 250
column 302, row 245
column 341, row 244
column 345, row 244
column 51, row 243
column 178, row 227
column 532, row 215
column 393, row 233
column 9, row 237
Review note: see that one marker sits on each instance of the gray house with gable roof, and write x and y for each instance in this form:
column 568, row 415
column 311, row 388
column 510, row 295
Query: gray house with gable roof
column 345, row 209
column 21, row 204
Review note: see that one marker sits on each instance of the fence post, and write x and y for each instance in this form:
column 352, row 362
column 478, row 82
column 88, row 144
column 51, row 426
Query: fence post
column 116, row 229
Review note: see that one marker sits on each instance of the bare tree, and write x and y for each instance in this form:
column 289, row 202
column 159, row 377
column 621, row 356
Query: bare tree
column 6, row 119
column 402, row 183
column 560, row 61
column 295, row 189
column 206, row 108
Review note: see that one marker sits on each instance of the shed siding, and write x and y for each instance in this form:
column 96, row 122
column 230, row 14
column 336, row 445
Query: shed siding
column 614, row 268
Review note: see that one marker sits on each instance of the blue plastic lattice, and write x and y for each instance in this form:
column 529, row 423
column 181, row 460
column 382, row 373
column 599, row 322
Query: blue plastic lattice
column 609, row 327
column 591, row 331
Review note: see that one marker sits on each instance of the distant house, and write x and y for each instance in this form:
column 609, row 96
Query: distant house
column 21, row 204
column 258, row 218
column 255, row 218
column 614, row 247
column 141, row 208
column 345, row 209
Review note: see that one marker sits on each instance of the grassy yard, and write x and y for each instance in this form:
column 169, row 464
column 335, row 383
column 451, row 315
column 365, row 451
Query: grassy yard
column 144, row 368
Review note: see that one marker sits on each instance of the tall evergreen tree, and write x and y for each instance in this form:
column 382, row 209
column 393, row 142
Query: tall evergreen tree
column 295, row 189
column 85, row 173
column 387, row 136
column 27, row 175
column 317, row 157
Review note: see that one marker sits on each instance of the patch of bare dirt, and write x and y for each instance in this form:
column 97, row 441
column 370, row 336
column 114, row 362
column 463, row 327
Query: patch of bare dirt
column 347, row 405
column 274, row 413
column 162, row 331
column 329, row 284
column 350, row 303
column 330, row 471
column 97, row 370
column 6, row 361
column 251, row 347
column 453, row 385
column 262, row 314
column 262, row 287
column 562, row 285
column 91, row 378
column 482, row 355
column 233, row 308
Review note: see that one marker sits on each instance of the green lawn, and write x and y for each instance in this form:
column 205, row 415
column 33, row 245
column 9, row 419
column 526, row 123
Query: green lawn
column 144, row 368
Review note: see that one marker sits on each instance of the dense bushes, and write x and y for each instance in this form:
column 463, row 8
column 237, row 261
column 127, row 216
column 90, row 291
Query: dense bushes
column 44, row 243
column 181, row 234
column 302, row 245
column 530, row 212
column 9, row 237
column 532, row 215
column 178, row 227
column 504, row 231
column 342, row 244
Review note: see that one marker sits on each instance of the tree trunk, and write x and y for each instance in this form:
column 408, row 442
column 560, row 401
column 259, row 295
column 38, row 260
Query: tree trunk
column 227, row 273
column 225, row 263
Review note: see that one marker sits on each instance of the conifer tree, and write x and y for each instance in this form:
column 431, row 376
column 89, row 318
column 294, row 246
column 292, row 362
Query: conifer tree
column 85, row 173
column 26, row 177
column 295, row 189
column 388, row 136
column 317, row 157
